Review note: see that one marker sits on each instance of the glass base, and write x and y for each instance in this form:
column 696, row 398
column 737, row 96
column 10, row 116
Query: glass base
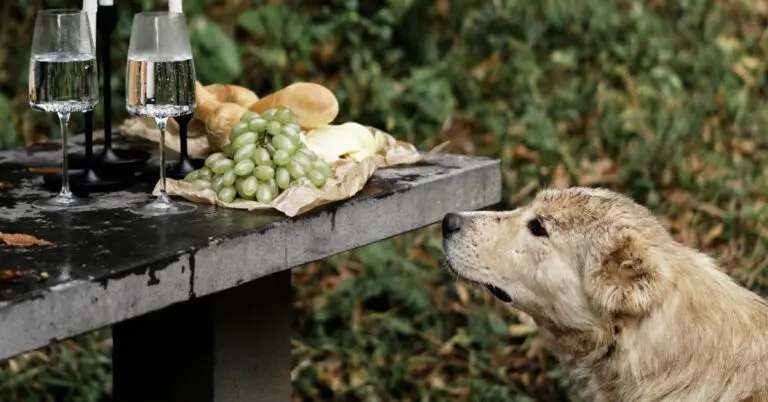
column 163, row 205
column 62, row 203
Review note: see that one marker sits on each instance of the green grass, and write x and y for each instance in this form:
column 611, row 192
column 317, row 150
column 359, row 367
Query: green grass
column 662, row 100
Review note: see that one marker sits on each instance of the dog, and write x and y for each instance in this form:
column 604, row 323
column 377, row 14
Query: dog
column 634, row 314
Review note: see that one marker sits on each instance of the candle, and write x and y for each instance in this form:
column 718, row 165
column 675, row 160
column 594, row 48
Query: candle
column 174, row 6
column 106, row 2
column 91, row 7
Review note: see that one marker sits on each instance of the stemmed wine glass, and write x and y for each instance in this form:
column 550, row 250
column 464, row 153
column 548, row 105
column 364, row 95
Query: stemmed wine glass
column 63, row 79
column 160, row 83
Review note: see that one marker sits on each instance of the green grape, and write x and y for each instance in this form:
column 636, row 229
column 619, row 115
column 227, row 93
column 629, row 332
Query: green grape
column 204, row 173
column 283, row 115
column 239, row 185
column 248, row 137
column 303, row 160
column 322, row 167
column 274, row 128
column 227, row 194
column 282, row 142
column 291, row 133
column 227, row 150
column 250, row 185
column 228, row 179
column 296, row 169
column 248, row 116
column 293, row 126
column 192, row 176
column 268, row 114
column 282, row 178
column 273, row 186
column 258, row 125
column 281, row 157
column 246, row 152
column 316, row 177
column 217, row 183
column 264, row 193
column 204, row 184
column 238, row 130
column 261, row 156
column 264, row 172
column 244, row 167
column 308, row 153
column 271, row 148
column 222, row 165
column 213, row 158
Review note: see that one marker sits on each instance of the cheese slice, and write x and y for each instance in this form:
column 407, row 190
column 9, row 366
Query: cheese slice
column 332, row 142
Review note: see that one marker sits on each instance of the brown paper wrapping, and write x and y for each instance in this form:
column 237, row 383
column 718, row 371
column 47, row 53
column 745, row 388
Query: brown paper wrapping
column 349, row 176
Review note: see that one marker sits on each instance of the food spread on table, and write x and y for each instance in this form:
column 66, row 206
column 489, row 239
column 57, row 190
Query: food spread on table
column 283, row 151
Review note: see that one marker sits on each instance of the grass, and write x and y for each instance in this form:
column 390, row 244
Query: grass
column 662, row 100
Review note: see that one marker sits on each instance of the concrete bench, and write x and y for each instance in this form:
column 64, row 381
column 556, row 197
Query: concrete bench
column 200, row 305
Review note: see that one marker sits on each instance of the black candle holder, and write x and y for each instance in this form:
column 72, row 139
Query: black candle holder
column 85, row 177
column 113, row 164
column 185, row 165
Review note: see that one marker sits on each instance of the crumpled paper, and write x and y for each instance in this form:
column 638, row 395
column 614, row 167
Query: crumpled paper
column 349, row 176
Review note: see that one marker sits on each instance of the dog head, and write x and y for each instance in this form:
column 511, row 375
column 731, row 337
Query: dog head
column 570, row 259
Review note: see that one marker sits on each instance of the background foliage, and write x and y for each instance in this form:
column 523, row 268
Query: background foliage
column 661, row 99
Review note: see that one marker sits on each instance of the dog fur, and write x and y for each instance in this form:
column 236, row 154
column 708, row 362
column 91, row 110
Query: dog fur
column 636, row 315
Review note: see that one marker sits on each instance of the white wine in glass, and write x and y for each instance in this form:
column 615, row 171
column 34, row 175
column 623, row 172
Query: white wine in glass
column 160, row 83
column 62, row 80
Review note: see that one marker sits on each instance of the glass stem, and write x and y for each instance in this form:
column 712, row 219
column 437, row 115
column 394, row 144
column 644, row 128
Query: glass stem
column 161, row 122
column 64, row 122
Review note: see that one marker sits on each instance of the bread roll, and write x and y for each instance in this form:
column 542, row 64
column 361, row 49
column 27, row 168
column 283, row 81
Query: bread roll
column 232, row 93
column 313, row 105
column 221, row 121
column 206, row 101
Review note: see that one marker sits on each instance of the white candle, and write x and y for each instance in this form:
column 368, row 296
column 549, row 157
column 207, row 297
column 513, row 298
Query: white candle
column 91, row 7
column 106, row 2
column 174, row 6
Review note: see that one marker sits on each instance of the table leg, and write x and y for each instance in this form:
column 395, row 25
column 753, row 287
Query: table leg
column 233, row 346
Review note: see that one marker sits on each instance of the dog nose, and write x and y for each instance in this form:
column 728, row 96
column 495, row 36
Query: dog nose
column 451, row 223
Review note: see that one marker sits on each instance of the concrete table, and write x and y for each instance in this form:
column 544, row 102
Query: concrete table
column 199, row 304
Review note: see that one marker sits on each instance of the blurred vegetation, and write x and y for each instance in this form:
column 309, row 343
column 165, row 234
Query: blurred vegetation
column 664, row 100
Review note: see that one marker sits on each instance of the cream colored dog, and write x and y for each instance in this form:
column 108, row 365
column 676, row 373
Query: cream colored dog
column 635, row 314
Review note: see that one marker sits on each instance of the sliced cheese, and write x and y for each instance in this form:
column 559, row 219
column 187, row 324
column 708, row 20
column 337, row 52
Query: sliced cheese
column 335, row 141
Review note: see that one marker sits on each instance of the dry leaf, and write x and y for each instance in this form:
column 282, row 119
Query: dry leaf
column 713, row 234
column 520, row 330
column 22, row 240
column 16, row 275
column 4, row 185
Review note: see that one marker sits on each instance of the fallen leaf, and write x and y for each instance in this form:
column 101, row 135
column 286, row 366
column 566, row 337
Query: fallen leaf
column 22, row 240
column 18, row 276
column 45, row 169
column 713, row 234
column 4, row 185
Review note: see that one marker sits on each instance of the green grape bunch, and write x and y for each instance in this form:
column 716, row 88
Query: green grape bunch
column 263, row 158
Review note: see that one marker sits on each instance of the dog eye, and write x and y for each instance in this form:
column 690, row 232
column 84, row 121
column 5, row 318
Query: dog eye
column 537, row 227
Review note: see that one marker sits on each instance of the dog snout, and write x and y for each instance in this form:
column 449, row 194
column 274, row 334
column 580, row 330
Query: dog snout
column 451, row 224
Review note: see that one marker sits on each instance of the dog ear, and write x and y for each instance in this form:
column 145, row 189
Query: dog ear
column 626, row 282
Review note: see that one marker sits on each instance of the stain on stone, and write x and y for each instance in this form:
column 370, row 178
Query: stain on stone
column 192, row 294
column 153, row 279
column 333, row 219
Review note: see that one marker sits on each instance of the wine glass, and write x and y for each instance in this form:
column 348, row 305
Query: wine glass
column 160, row 83
column 63, row 79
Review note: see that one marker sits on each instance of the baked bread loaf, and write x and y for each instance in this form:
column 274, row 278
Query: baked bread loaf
column 313, row 105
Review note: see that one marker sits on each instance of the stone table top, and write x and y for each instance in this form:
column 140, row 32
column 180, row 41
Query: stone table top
column 106, row 265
